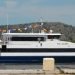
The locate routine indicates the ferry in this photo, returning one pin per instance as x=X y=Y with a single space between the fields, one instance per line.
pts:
x=33 y=47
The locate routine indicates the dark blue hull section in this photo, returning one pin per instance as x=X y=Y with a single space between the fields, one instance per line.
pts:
x=36 y=59
x=4 y=49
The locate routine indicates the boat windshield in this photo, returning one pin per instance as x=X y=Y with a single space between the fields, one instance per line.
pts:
x=53 y=36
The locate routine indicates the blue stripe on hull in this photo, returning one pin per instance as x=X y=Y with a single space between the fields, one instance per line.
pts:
x=37 y=59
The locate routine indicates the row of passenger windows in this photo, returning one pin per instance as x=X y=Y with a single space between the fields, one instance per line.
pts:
x=32 y=38
x=27 y=38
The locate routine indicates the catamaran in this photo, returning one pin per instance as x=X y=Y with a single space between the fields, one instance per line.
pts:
x=33 y=47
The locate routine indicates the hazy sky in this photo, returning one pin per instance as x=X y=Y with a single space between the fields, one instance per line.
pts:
x=25 y=11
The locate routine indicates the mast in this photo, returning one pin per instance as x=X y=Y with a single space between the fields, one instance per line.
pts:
x=7 y=23
x=41 y=20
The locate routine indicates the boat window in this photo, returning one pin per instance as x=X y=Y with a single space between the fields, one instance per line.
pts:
x=53 y=36
x=27 y=38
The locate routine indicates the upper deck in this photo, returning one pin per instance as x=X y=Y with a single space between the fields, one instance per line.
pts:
x=29 y=36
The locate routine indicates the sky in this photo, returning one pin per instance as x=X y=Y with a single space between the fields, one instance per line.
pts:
x=27 y=11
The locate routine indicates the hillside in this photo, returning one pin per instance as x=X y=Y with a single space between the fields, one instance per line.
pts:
x=68 y=31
